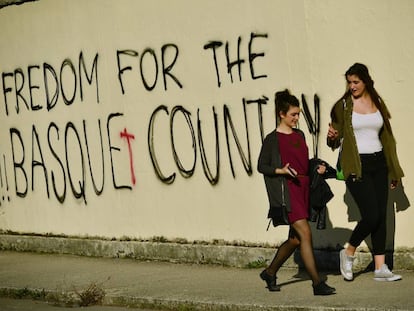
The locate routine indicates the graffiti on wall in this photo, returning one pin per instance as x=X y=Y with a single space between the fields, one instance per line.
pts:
x=60 y=156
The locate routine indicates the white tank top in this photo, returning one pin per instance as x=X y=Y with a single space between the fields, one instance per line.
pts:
x=366 y=130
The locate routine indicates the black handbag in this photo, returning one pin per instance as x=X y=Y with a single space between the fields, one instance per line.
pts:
x=278 y=214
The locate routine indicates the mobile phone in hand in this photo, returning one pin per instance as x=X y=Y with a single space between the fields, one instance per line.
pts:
x=292 y=172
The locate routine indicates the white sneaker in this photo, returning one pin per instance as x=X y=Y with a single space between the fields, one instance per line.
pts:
x=345 y=263
x=385 y=275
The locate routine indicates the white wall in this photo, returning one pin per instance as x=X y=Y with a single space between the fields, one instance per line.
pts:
x=305 y=46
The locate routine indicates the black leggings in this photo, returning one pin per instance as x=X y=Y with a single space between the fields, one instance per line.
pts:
x=371 y=195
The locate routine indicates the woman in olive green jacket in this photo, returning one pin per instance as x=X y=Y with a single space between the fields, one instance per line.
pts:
x=360 y=126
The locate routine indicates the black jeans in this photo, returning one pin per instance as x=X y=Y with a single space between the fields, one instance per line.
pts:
x=371 y=195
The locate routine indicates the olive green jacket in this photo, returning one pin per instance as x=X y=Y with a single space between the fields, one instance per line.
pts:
x=350 y=161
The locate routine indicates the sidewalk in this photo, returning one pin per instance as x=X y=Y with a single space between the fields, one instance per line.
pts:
x=161 y=285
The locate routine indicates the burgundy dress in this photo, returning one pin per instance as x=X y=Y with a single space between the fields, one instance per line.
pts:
x=293 y=150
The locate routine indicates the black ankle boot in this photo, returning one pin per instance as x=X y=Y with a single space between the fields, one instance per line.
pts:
x=270 y=281
x=322 y=289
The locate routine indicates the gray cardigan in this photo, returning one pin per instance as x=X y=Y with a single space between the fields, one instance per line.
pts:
x=269 y=160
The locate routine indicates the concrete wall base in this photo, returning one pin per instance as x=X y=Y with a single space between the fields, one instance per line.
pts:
x=234 y=256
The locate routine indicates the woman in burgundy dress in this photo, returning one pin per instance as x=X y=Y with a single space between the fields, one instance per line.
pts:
x=284 y=162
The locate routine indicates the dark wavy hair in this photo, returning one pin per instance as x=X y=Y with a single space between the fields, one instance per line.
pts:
x=283 y=101
x=361 y=71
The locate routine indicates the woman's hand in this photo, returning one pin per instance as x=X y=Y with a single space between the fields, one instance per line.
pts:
x=332 y=133
x=394 y=184
x=321 y=169
x=287 y=170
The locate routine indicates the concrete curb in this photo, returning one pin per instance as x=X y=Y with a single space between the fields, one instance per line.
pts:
x=227 y=255
x=162 y=304
x=69 y=299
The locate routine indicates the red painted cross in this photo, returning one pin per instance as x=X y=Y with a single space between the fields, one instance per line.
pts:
x=128 y=137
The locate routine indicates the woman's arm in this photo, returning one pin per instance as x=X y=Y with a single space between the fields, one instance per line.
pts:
x=335 y=129
x=264 y=164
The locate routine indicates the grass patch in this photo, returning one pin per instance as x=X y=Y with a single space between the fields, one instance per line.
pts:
x=93 y=294
x=259 y=263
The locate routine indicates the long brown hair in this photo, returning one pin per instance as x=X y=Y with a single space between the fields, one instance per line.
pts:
x=361 y=71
